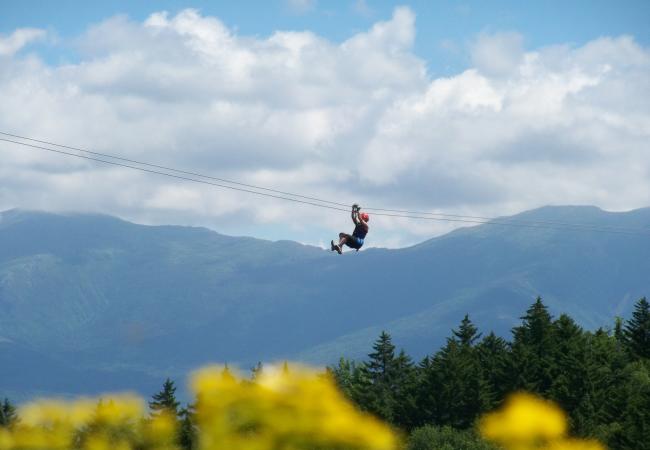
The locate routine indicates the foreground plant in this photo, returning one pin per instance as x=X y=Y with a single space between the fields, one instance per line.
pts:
x=282 y=409
x=526 y=422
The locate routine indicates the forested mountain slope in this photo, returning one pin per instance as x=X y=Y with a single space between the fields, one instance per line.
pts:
x=95 y=293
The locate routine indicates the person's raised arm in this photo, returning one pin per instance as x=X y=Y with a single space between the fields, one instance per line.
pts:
x=354 y=214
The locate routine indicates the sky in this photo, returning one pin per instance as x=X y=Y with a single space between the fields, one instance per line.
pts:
x=473 y=108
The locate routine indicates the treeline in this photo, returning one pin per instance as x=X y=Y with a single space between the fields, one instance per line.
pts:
x=601 y=379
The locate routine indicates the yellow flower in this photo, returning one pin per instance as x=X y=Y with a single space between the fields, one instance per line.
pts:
x=524 y=418
x=161 y=431
x=6 y=439
x=293 y=409
x=119 y=408
x=526 y=422
x=283 y=409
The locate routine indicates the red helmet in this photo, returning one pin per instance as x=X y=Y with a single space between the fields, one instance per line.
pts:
x=365 y=217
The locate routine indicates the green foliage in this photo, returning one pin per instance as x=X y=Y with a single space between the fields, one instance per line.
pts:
x=165 y=400
x=531 y=359
x=633 y=422
x=8 y=414
x=379 y=377
x=637 y=330
x=431 y=437
x=568 y=364
x=602 y=381
x=116 y=275
x=455 y=381
x=494 y=360
x=188 y=433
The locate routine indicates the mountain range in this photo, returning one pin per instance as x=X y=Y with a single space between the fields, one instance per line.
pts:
x=92 y=303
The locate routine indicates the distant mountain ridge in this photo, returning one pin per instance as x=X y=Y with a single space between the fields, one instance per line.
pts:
x=130 y=304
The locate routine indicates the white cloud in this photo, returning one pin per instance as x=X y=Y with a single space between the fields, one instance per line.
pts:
x=18 y=39
x=354 y=121
x=499 y=53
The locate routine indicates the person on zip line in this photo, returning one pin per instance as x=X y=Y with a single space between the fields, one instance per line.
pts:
x=355 y=240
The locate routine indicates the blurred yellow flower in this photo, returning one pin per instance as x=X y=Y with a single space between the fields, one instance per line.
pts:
x=297 y=409
x=528 y=422
x=119 y=408
x=524 y=418
x=282 y=409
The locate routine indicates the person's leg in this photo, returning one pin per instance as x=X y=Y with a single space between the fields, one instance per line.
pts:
x=343 y=239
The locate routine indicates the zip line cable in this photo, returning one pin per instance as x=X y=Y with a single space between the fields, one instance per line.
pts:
x=322 y=203
x=378 y=211
x=172 y=175
x=513 y=221
x=222 y=185
x=171 y=169
x=105 y=155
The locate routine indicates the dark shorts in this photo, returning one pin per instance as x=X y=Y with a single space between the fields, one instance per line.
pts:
x=354 y=242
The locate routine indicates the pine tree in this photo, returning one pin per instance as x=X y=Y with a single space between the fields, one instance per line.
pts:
x=8 y=415
x=165 y=400
x=532 y=350
x=494 y=361
x=187 y=433
x=467 y=334
x=569 y=366
x=405 y=384
x=600 y=409
x=425 y=394
x=382 y=360
x=378 y=373
x=345 y=374
x=637 y=331
x=455 y=379
x=618 y=329
x=634 y=419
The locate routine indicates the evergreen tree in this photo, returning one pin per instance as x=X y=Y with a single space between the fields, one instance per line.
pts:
x=455 y=379
x=602 y=381
x=378 y=373
x=634 y=420
x=494 y=361
x=431 y=437
x=568 y=365
x=425 y=395
x=8 y=415
x=165 y=400
x=466 y=334
x=532 y=350
x=599 y=411
x=405 y=385
x=349 y=378
x=618 y=329
x=637 y=330
x=187 y=434
x=382 y=360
